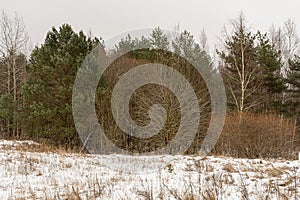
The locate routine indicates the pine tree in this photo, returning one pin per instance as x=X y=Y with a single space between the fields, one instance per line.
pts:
x=159 y=40
x=270 y=63
x=293 y=79
x=48 y=91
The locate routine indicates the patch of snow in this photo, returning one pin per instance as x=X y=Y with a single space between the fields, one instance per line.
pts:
x=31 y=175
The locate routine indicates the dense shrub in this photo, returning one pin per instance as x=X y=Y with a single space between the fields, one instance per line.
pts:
x=258 y=135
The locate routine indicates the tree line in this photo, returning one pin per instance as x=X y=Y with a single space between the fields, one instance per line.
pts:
x=261 y=73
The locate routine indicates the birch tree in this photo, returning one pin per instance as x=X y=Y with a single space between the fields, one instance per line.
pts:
x=237 y=67
x=14 y=43
x=250 y=67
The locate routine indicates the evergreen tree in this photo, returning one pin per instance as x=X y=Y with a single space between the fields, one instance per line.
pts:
x=186 y=46
x=48 y=91
x=270 y=63
x=159 y=40
x=293 y=79
x=126 y=44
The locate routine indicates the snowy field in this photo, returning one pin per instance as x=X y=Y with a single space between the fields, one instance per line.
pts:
x=45 y=175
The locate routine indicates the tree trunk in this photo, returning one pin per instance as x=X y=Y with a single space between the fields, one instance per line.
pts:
x=14 y=93
x=8 y=91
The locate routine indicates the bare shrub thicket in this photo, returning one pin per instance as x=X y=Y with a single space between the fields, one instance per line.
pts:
x=258 y=135
x=148 y=95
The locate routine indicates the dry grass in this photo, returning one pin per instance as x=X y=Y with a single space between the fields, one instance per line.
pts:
x=41 y=147
x=229 y=168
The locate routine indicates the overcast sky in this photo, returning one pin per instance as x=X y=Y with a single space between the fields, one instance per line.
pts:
x=107 y=18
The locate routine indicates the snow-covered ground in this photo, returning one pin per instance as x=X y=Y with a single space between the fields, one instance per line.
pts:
x=42 y=175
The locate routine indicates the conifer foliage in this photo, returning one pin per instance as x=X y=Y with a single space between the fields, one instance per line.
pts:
x=48 y=90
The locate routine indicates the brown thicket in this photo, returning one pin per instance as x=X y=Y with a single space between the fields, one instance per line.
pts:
x=258 y=135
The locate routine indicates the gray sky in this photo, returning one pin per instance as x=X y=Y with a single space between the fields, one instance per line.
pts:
x=107 y=18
